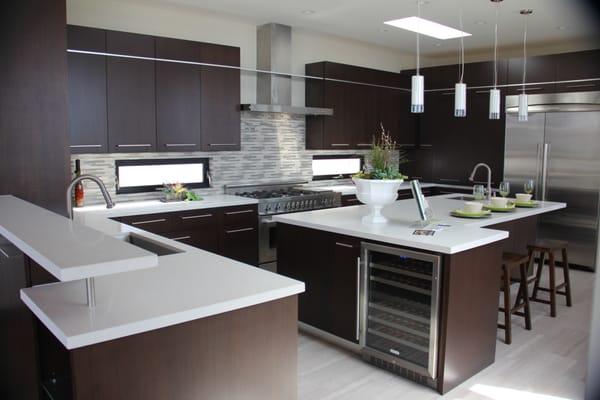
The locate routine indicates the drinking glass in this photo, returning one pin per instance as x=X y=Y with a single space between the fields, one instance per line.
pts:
x=478 y=192
x=504 y=189
x=529 y=186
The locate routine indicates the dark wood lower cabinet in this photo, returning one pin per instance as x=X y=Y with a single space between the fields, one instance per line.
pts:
x=468 y=298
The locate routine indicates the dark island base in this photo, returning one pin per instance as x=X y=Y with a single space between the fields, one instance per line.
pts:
x=249 y=353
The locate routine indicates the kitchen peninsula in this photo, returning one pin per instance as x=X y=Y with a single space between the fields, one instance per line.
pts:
x=170 y=320
x=424 y=307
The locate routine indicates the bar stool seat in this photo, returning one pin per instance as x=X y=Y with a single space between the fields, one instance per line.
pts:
x=511 y=261
x=547 y=247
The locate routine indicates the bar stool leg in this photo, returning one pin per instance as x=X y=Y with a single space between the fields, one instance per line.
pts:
x=551 y=271
x=507 y=307
x=565 y=262
x=538 y=275
x=525 y=296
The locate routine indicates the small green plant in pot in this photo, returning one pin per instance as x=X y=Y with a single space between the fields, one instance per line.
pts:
x=377 y=185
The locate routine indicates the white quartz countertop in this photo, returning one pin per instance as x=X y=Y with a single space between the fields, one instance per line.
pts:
x=461 y=235
x=182 y=287
x=348 y=188
x=67 y=249
x=128 y=208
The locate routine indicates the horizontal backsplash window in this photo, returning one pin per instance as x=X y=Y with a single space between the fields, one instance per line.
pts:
x=335 y=166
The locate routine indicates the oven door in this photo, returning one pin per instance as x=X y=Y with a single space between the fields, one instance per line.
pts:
x=267 y=242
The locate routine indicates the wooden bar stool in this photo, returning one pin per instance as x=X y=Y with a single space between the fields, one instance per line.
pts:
x=549 y=247
x=511 y=261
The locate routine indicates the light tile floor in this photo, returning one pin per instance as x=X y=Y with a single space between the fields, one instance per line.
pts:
x=547 y=363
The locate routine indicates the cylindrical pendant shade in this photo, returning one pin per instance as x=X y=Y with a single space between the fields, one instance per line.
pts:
x=417 y=104
x=523 y=114
x=494 y=104
x=460 y=100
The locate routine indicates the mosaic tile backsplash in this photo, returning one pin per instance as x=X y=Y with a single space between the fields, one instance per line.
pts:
x=272 y=149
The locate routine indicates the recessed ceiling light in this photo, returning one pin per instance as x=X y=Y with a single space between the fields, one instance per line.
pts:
x=308 y=12
x=480 y=22
x=426 y=27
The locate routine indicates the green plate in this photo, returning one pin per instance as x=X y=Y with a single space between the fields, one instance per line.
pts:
x=465 y=214
x=527 y=204
x=510 y=207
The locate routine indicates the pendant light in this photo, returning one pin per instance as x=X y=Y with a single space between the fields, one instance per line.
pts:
x=417 y=102
x=495 y=93
x=460 y=89
x=523 y=114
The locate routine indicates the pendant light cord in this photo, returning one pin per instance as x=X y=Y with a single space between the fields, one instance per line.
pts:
x=496 y=48
x=524 y=51
x=418 y=47
x=462 y=47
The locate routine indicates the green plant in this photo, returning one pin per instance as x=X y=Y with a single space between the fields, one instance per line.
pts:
x=379 y=160
x=176 y=191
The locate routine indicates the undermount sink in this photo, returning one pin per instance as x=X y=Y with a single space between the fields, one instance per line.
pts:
x=462 y=197
x=153 y=246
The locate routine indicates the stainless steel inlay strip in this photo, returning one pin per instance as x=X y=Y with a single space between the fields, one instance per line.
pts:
x=152 y=221
x=197 y=216
x=344 y=245
x=239 y=212
x=240 y=230
x=84 y=145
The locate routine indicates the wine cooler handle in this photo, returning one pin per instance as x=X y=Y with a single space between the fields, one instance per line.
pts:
x=357 y=298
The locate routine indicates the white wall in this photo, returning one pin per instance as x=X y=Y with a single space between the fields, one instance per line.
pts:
x=193 y=24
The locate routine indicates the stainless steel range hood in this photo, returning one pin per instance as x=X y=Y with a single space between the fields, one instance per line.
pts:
x=273 y=90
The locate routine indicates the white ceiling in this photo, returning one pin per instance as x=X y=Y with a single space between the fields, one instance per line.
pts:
x=552 y=20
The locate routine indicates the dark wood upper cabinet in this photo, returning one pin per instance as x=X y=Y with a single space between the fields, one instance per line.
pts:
x=131 y=93
x=220 y=109
x=574 y=66
x=540 y=69
x=87 y=91
x=178 y=96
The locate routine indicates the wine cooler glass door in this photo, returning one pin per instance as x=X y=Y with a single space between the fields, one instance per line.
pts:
x=399 y=313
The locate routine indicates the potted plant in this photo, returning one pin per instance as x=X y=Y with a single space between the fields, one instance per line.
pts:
x=377 y=185
x=178 y=192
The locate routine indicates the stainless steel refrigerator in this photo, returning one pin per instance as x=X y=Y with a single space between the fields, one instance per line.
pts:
x=559 y=148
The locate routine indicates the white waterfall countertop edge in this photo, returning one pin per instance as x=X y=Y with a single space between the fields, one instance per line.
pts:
x=182 y=287
x=462 y=234
x=68 y=250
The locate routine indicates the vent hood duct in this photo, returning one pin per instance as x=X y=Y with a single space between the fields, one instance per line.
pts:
x=274 y=91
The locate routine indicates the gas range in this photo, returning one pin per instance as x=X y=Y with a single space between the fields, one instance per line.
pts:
x=285 y=197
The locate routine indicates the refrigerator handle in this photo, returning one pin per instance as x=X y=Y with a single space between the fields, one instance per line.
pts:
x=538 y=172
x=545 y=170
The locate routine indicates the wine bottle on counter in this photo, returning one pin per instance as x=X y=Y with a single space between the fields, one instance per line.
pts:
x=79 y=195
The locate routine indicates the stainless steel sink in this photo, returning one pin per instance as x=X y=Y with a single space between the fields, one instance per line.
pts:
x=462 y=197
x=153 y=246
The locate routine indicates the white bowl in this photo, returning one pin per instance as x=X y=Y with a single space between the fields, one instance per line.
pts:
x=499 y=202
x=523 y=197
x=472 y=207
x=376 y=194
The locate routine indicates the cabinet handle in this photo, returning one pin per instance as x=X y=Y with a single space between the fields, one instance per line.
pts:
x=357 y=298
x=240 y=230
x=181 y=238
x=344 y=245
x=135 y=145
x=151 y=221
x=84 y=146
x=339 y=144
x=4 y=253
x=449 y=180
x=529 y=89
x=447 y=93
x=363 y=144
x=426 y=145
x=482 y=91
x=582 y=85
x=239 y=212
x=417 y=177
x=180 y=144
x=196 y=216
x=222 y=144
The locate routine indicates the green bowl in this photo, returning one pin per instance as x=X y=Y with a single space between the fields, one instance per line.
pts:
x=465 y=214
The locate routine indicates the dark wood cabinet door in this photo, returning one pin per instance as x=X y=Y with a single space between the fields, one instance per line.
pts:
x=131 y=94
x=131 y=105
x=539 y=69
x=87 y=103
x=344 y=277
x=220 y=91
x=334 y=136
x=419 y=164
x=87 y=90
x=155 y=223
x=393 y=107
x=178 y=104
x=199 y=228
x=579 y=65
x=240 y=244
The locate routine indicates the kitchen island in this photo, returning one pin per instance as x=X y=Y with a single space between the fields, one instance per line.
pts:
x=424 y=307
x=181 y=323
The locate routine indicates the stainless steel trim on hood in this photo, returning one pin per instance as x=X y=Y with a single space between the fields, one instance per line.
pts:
x=278 y=108
x=556 y=102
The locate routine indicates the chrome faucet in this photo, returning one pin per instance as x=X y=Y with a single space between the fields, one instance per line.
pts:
x=107 y=199
x=489 y=178
x=90 y=286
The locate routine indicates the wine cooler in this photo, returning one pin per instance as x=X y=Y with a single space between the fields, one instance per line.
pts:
x=399 y=310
